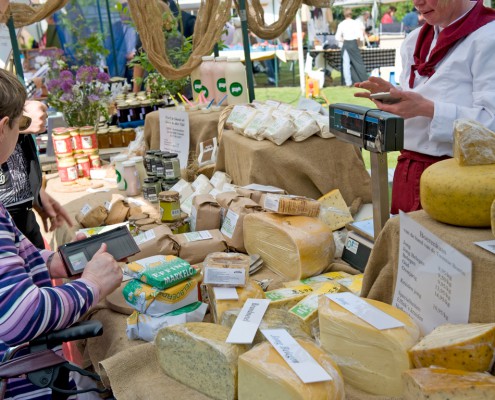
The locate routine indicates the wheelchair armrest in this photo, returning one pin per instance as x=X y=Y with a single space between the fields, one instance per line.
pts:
x=80 y=330
x=30 y=363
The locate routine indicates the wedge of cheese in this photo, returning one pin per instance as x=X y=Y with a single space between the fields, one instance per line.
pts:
x=195 y=354
x=467 y=347
x=294 y=247
x=318 y=279
x=251 y=291
x=334 y=211
x=274 y=318
x=371 y=360
x=286 y=298
x=263 y=374
x=353 y=283
x=474 y=144
x=447 y=384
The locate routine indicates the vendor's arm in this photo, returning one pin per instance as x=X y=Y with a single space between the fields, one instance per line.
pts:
x=52 y=211
x=36 y=110
x=29 y=306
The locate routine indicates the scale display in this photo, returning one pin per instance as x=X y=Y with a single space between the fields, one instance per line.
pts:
x=371 y=129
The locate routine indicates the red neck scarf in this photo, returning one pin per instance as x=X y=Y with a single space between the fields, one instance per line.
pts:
x=448 y=37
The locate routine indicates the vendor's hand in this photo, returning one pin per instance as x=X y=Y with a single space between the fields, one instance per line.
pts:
x=52 y=211
x=103 y=271
x=411 y=105
x=55 y=264
x=36 y=110
x=373 y=85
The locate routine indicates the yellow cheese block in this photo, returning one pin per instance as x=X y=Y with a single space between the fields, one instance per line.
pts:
x=458 y=195
x=468 y=347
x=334 y=211
x=251 y=291
x=264 y=374
x=492 y=217
x=447 y=384
x=353 y=283
x=474 y=144
x=371 y=360
x=195 y=354
x=294 y=247
x=318 y=279
x=286 y=298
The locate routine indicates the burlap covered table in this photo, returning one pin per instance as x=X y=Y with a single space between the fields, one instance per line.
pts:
x=310 y=168
x=201 y=127
x=381 y=271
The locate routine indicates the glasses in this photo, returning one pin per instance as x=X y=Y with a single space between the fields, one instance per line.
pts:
x=24 y=122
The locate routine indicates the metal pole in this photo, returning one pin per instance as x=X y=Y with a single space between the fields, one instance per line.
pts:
x=114 y=53
x=300 y=52
x=379 y=191
x=15 y=50
x=99 y=17
x=246 y=45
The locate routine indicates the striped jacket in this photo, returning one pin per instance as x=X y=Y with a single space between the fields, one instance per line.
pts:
x=29 y=305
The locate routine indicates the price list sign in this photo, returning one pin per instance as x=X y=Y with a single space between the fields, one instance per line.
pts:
x=433 y=279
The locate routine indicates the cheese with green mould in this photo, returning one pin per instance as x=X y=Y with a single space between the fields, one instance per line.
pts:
x=287 y=297
x=318 y=279
x=447 y=384
x=160 y=271
x=467 y=347
x=195 y=354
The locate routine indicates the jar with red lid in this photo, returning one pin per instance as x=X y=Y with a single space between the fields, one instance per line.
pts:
x=75 y=139
x=83 y=166
x=67 y=169
x=88 y=138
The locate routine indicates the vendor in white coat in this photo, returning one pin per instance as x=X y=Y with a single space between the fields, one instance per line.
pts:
x=447 y=74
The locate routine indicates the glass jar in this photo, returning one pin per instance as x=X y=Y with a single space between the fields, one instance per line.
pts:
x=140 y=168
x=62 y=143
x=128 y=135
x=123 y=112
x=88 y=138
x=159 y=170
x=103 y=139
x=171 y=166
x=134 y=111
x=151 y=189
x=116 y=137
x=95 y=161
x=119 y=170
x=67 y=169
x=169 y=206
x=146 y=108
x=148 y=162
x=75 y=139
x=131 y=178
x=83 y=166
x=168 y=185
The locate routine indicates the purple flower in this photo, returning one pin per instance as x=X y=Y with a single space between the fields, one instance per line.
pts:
x=66 y=86
x=53 y=84
x=67 y=97
x=66 y=75
x=103 y=77
x=93 y=98
x=84 y=74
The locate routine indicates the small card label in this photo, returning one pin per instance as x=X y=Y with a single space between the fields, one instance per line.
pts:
x=144 y=237
x=229 y=223
x=271 y=202
x=107 y=205
x=224 y=276
x=365 y=311
x=85 y=209
x=192 y=219
x=351 y=245
x=301 y=362
x=247 y=323
x=195 y=236
x=225 y=293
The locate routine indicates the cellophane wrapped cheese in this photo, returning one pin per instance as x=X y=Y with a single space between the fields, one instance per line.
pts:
x=264 y=374
x=447 y=384
x=370 y=359
x=291 y=205
x=474 y=144
x=334 y=211
x=294 y=247
x=468 y=347
x=226 y=269
x=286 y=298
x=195 y=354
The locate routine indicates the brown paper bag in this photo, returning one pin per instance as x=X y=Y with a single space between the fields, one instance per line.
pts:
x=233 y=219
x=118 y=213
x=205 y=213
x=195 y=246
x=156 y=241
x=254 y=195
x=91 y=217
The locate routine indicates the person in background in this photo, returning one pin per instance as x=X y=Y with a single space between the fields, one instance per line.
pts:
x=446 y=75
x=365 y=19
x=389 y=16
x=349 y=31
x=411 y=20
x=29 y=305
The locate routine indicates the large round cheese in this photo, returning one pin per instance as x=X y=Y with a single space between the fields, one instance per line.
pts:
x=458 y=195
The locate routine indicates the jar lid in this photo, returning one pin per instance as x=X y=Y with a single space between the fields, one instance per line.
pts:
x=73 y=132
x=120 y=157
x=115 y=130
x=134 y=103
x=122 y=105
x=151 y=179
x=221 y=58
x=86 y=131
x=146 y=102
x=169 y=195
x=129 y=163
x=67 y=162
x=103 y=131
x=171 y=181
x=136 y=158
x=234 y=59
x=207 y=58
x=169 y=155
x=128 y=130
x=59 y=130
x=152 y=152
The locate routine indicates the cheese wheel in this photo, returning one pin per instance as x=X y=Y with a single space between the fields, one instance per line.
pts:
x=468 y=347
x=264 y=374
x=294 y=247
x=195 y=354
x=458 y=195
x=492 y=217
x=371 y=360
x=447 y=384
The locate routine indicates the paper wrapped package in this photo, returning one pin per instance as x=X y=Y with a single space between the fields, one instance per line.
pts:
x=226 y=269
x=264 y=374
x=474 y=144
x=205 y=213
x=305 y=124
x=291 y=205
x=195 y=354
x=195 y=246
x=118 y=213
x=91 y=216
x=155 y=241
x=145 y=327
x=278 y=130
x=294 y=247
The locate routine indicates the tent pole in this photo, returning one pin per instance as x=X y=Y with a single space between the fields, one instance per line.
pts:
x=302 y=80
x=246 y=45
x=114 y=53
x=15 y=50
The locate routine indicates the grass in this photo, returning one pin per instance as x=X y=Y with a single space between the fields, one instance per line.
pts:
x=288 y=93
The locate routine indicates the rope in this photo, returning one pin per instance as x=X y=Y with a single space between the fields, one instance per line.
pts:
x=24 y=14
x=211 y=19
